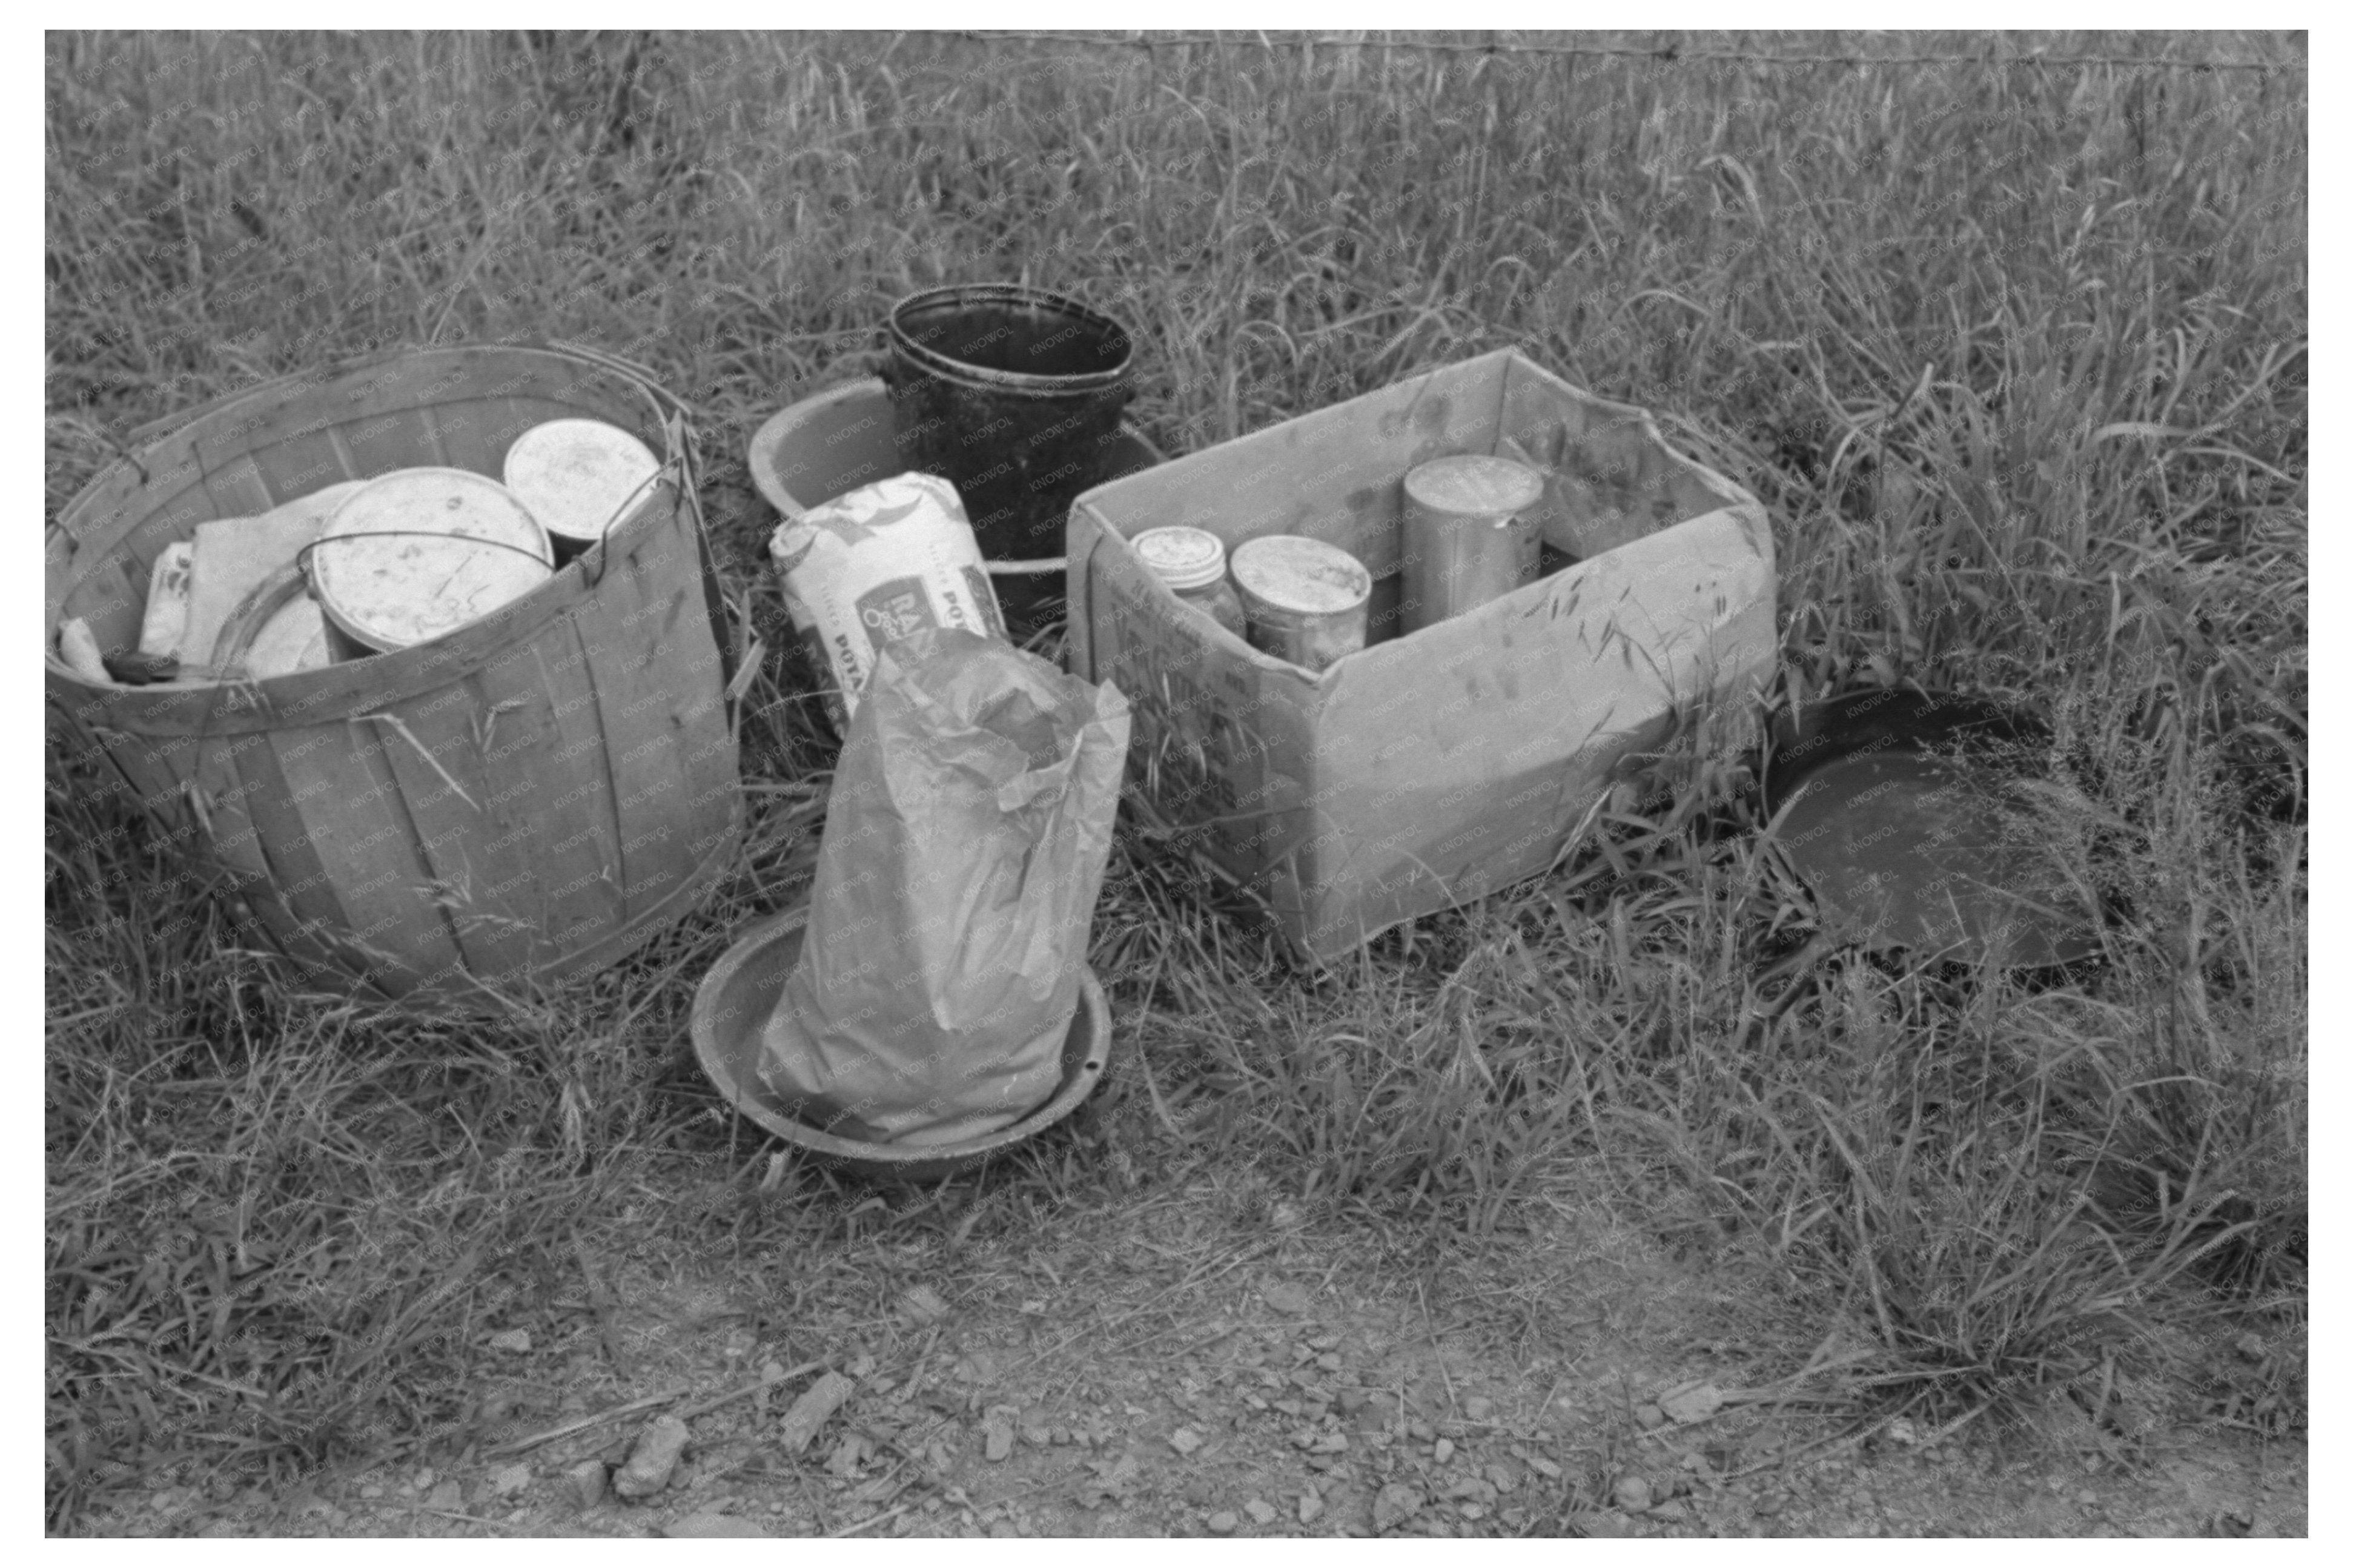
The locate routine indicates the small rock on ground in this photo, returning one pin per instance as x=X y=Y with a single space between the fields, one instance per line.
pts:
x=1632 y=1494
x=586 y=1479
x=1396 y=1503
x=1311 y=1507
x=1185 y=1440
x=653 y=1458
x=1225 y=1522
x=812 y=1410
x=510 y=1480
x=514 y=1341
x=1260 y=1510
x=1695 y=1404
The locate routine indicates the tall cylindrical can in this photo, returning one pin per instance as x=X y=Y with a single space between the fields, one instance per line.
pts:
x=1472 y=534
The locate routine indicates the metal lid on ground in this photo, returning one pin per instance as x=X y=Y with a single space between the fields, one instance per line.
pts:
x=1909 y=818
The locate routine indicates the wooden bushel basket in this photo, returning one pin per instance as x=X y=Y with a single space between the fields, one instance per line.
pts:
x=523 y=800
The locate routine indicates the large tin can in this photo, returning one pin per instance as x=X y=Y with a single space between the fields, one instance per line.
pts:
x=415 y=554
x=1472 y=534
x=578 y=478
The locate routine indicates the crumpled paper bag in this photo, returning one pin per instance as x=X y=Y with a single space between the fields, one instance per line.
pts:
x=966 y=837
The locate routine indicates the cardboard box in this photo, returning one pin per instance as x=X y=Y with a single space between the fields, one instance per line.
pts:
x=1429 y=770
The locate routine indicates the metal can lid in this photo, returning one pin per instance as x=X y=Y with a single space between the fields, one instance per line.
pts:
x=421 y=551
x=1305 y=576
x=1475 y=486
x=1184 y=558
x=578 y=475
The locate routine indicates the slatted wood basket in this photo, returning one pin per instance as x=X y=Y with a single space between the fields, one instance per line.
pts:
x=523 y=800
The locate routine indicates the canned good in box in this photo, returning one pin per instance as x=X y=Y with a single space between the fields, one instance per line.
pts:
x=1305 y=600
x=1192 y=562
x=1472 y=535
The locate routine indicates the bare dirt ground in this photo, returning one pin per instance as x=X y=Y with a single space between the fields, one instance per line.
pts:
x=1200 y=1358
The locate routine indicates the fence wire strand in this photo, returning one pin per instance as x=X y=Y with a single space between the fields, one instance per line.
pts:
x=1671 y=53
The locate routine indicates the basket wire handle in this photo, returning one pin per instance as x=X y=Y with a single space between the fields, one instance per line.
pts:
x=302 y=556
x=676 y=418
x=592 y=557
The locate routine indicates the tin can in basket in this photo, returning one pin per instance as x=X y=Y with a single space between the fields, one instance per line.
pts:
x=578 y=478
x=414 y=554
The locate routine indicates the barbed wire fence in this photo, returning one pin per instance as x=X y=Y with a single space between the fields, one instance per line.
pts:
x=1668 y=53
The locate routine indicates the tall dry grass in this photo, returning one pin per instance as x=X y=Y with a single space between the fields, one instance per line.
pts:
x=2014 y=353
